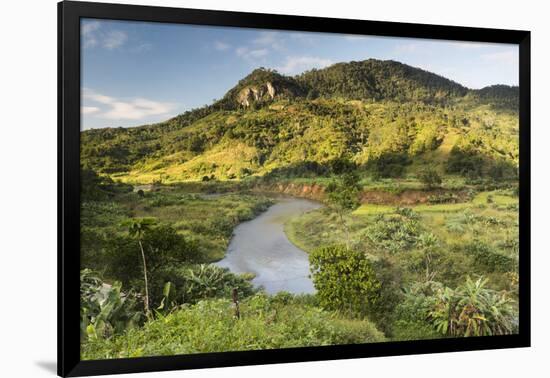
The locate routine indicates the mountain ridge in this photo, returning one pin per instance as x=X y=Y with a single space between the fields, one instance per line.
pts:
x=361 y=112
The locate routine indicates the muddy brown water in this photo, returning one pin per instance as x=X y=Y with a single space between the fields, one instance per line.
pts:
x=260 y=246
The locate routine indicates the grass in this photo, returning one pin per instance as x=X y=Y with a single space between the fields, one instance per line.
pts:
x=488 y=198
x=206 y=219
x=281 y=321
x=372 y=209
x=489 y=218
x=496 y=197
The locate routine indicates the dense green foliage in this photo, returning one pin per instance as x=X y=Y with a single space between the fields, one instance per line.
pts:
x=344 y=279
x=104 y=310
x=197 y=282
x=444 y=242
x=282 y=321
x=377 y=80
x=469 y=310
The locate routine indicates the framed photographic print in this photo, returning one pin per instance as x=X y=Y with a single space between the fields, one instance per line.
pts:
x=239 y=188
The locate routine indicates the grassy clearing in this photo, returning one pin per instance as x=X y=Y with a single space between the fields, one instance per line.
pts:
x=372 y=209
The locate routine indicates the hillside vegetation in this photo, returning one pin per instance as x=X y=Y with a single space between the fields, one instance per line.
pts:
x=382 y=116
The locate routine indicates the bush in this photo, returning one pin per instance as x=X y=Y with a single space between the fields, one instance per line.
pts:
x=344 y=279
x=210 y=326
x=394 y=232
x=163 y=247
x=430 y=178
x=390 y=165
x=465 y=163
x=197 y=282
x=443 y=198
x=488 y=259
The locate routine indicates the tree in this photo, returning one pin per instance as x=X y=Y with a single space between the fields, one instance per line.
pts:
x=343 y=197
x=137 y=228
x=430 y=178
x=344 y=279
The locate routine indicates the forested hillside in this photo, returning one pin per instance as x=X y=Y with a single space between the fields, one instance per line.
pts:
x=384 y=117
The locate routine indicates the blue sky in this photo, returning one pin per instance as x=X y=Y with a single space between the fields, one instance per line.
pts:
x=134 y=73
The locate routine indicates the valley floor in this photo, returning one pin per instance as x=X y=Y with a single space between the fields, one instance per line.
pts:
x=444 y=239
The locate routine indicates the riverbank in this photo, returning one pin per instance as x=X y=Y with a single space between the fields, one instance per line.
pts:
x=477 y=237
x=260 y=246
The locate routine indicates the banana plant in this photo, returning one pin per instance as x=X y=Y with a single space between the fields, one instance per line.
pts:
x=472 y=310
x=168 y=302
x=105 y=309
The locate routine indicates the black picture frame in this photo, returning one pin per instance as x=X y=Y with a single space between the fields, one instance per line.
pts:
x=69 y=14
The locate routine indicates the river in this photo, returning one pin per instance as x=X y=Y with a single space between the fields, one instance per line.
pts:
x=260 y=246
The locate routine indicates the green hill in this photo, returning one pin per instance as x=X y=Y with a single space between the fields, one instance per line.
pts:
x=384 y=117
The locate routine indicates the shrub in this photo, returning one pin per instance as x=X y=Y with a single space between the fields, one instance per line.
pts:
x=390 y=165
x=344 y=279
x=197 y=282
x=394 y=232
x=488 y=259
x=443 y=198
x=411 y=314
x=465 y=163
x=430 y=178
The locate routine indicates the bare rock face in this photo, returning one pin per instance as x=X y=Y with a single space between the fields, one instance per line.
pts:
x=255 y=93
x=244 y=97
x=270 y=90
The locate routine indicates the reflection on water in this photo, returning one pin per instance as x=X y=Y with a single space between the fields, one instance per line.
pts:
x=260 y=246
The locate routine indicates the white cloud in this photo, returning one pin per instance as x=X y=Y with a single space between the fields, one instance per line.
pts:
x=241 y=51
x=221 y=46
x=114 y=39
x=93 y=35
x=505 y=57
x=270 y=39
x=90 y=27
x=251 y=54
x=257 y=49
x=88 y=32
x=123 y=109
x=258 y=53
x=297 y=64
x=307 y=38
x=89 y=109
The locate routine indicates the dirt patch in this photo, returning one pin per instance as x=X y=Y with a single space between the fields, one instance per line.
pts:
x=409 y=197
x=310 y=191
x=377 y=197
